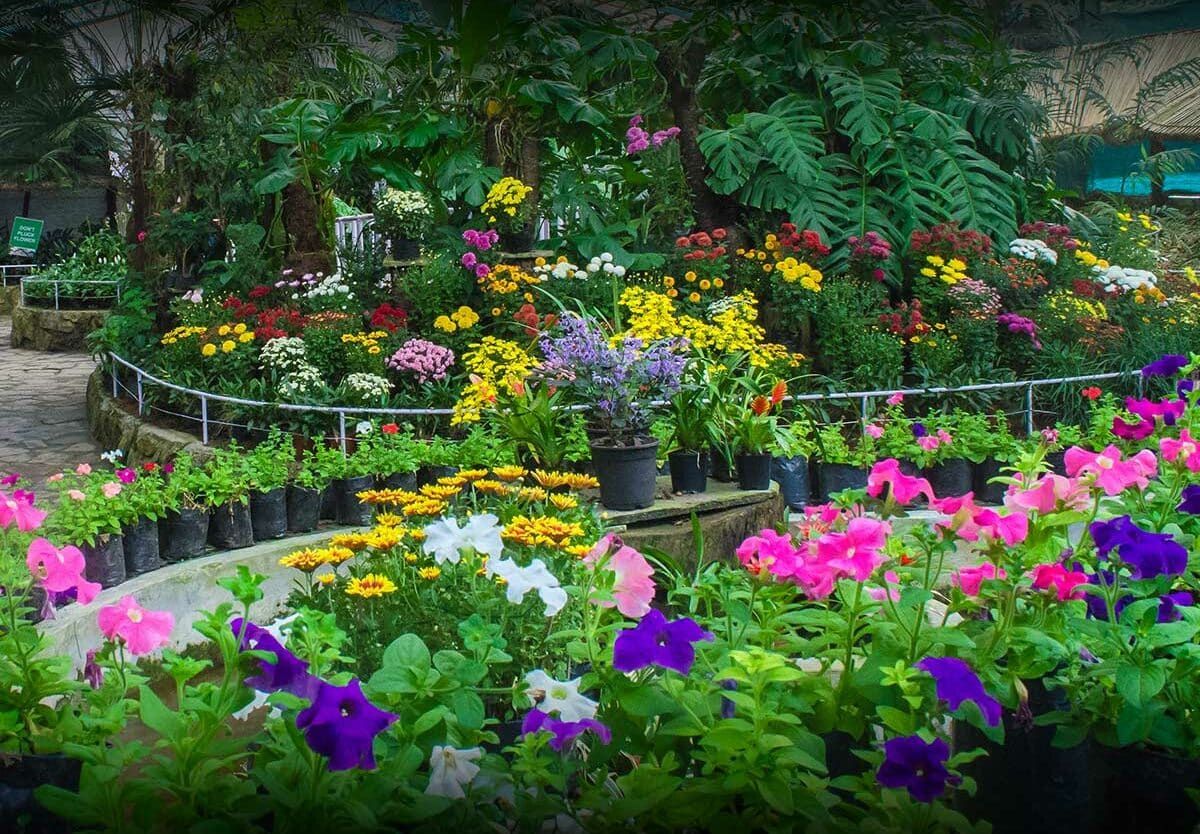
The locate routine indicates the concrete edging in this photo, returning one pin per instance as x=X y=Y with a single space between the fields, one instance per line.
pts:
x=140 y=440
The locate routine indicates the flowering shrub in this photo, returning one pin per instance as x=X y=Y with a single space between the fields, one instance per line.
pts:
x=506 y=205
x=403 y=214
x=426 y=361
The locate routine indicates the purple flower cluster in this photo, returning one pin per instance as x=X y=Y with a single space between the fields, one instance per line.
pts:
x=1147 y=412
x=638 y=140
x=1147 y=554
x=1166 y=365
x=429 y=362
x=916 y=765
x=1019 y=324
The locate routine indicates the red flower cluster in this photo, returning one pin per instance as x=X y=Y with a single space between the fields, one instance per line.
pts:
x=1055 y=235
x=1091 y=392
x=277 y=322
x=1086 y=289
x=949 y=241
x=389 y=317
x=527 y=315
x=259 y=291
x=906 y=320
x=702 y=245
x=806 y=244
x=389 y=428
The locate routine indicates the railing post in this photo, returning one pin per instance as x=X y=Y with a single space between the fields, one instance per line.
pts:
x=56 y=294
x=139 y=392
x=342 y=431
x=1029 y=410
x=203 y=419
x=1141 y=385
x=113 y=373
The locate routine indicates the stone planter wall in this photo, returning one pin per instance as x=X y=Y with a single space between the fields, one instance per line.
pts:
x=114 y=427
x=10 y=297
x=34 y=328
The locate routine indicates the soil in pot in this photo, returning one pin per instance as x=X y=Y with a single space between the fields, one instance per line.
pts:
x=141 y=547
x=399 y=480
x=350 y=510
x=1137 y=789
x=183 y=534
x=689 y=472
x=20 y=776
x=230 y=527
x=835 y=477
x=268 y=514
x=1025 y=784
x=986 y=493
x=950 y=478
x=792 y=476
x=754 y=471
x=303 y=508
x=430 y=474
x=627 y=474
x=104 y=561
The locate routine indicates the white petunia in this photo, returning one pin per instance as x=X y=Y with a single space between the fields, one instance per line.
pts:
x=537 y=577
x=450 y=769
x=445 y=540
x=482 y=534
x=363 y=427
x=112 y=456
x=562 y=697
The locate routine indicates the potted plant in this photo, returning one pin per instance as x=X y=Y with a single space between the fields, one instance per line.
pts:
x=509 y=211
x=990 y=446
x=183 y=531
x=89 y=515
x=616 y=379
x=942 y=455
x=229 y=499
x=841 y=465
x=144 y=499
x=356 y=476
x=437 y=458
x=791 y=469
x=530 y=415
x=267 y=469
x=391 y=450
x=304 y=492
x=691 y=411
x=328 y=464
x=404 y=217
x=756 y=433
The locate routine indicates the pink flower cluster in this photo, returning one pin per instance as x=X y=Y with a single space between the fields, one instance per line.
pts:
x=970 y=522
x=638 y=140
x=60 y=570
x=869 y=251
x=428 y=361
x=18 y=509
x=1108 y=471
x=142 y=631
x=932 y=442
x=483 y=241
x=902 y=488
x=817 y=564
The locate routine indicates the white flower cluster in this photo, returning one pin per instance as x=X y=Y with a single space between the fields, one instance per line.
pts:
x=405 y=213
x=560 y=269
x=330 y=286
x=1124 y=279
x=303 y=382
x=728 y=302
x=604 y=262
x=1033 y=250
x=368 y=386
x=285 y=354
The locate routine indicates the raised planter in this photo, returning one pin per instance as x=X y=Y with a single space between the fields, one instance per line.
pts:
x=113 y=427
x=34 y=328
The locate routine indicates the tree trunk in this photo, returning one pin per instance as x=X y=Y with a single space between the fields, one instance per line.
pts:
x=681 y=74
x=307 y=247
x=530 y=172
x=1158 y=195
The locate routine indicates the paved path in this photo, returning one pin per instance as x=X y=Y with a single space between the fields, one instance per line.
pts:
x=43 y=420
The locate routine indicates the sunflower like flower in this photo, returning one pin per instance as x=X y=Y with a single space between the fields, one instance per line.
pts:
x=542 y=531
x=371 y=585
x=532 y=494
x=354 y=542
x=508 y=473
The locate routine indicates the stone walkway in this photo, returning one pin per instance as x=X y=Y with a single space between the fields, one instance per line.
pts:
x=43 y=421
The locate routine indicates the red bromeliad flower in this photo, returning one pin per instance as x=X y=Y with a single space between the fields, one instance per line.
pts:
x=760 y=405
x=778 y=392
x=1091 y=392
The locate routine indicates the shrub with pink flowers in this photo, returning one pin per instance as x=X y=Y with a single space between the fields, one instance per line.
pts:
x=423 y=360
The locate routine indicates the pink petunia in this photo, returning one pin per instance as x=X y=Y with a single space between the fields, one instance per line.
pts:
x=1058 y=578
x=769 y=551
x=1011 y=528
x=60 y=569
x=75 y=495
x=887 y=590
x=895 y=399
x=111 y=489
x=856 y=551
x=142 y=631
x=1047 y=493
x=18 y=509
x=970 y=579
x=1111 y=473
x=633 y=588
x=873 y=431
x=83 y=469
x=1185 y=450
x=904 y=488
x=929 y=442
x=126 y=475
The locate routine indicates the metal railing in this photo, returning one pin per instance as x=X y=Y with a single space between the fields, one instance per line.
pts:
x=13 y=273
x=57 y=283
x=343 y=412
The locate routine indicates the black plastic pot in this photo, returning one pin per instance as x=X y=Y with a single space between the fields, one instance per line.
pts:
x=230 y=526
x=399 y=480
x=141 y=547
x=518 y=241
x=430 y=474
x=104 y=561
x=183 y=535
x=1026 y=785
x=406 y=249
x=792 y=476
x=1136 y=789
x=835 y=477
x=349 y=509
x=303 y=508
x=329 y=503
x=950 y=478
x=268 y=514
x=627 y=474
x=754 y=470
x=20 y=776
x=689 y=472
x=723 y=469
x=986 y=493
x=839 y=754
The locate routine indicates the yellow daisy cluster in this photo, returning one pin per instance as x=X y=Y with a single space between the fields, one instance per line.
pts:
x=508 y=473
x=371 y=585
x=311 y=558
x=1145 y=220
x=1088 y=258
x=463 y=318
x=506 y=279
x=368 y=341
x=793 y=271
x=570 y=480
x=949 y=271
x=179 y=333
x=542 y=531
x=491 y=363
x=505 y=197
x=487 y=486
x=1067 y=307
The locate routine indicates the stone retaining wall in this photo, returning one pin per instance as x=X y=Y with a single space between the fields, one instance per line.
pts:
x=10 y=297
x=115 y=428
x=34 y=328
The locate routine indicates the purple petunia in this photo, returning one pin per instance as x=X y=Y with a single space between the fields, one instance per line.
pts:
x=562 y=732
x=1147 y=554
x=287 y=673
x=1191 y=500
x=957 y=682
x=656 y=642
x=919 y=430
x=1169 y=605
x=916 y=765
x=1167 y=365
x=341 y=724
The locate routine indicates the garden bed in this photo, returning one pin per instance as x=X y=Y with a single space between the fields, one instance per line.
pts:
x=35 y=328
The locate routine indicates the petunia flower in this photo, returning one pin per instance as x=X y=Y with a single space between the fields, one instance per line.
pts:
x=18 y=509
x=1047 y=494
x=633 y=587
x=536 y=577
x=450 y=769
x=1147 y=554
x=903 y=488
x=126 y=475
x=1110 y=472
x=562 y=732
x=1185 y=450
x=287 y=673
x=856 y=551
x=1058 y=578
x=970 y=579
x=141 y=631
x=1169 y=605
x=1191 y=500
x=10 y=479
x=341 y=724
x=562 y=697
x=445 y=540
x=916 y=765
x=656 y=642
x=59 y=570
x=1167 y=365
x=957 y=682
x=768 y=551
x=111 y=489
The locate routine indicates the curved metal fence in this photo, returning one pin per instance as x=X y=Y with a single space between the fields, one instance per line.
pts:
x=32 y=280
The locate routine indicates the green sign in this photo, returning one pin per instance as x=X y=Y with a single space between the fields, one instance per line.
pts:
x=25 y=236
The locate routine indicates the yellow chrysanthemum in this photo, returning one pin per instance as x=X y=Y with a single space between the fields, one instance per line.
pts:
x=541 y=531
x=371 y=585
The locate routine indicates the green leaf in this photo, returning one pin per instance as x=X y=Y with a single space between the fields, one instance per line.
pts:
x=407 y=651
x=866 y=101
x=156 y=716
x=1139 y=684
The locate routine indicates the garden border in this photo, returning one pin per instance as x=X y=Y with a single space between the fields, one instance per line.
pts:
x=36 y=279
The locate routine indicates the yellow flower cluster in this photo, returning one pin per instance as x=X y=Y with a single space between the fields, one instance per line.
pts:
x=1147 y=294
x=505 y=197
x=371 y=585
x=1146 y=221
x=367 y=341
x=1088 y=258
x=794 y=271
x=651 y=314
x=570 y=480
x=463 y=318
x=506 y=279
x=311 y=558
x=542 y=531
x=949 y=271
x=173 y=336
x=491 y=363
x=1067 y=307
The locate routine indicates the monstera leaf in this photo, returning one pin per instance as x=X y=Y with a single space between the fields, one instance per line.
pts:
x=865 y=101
